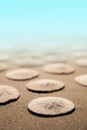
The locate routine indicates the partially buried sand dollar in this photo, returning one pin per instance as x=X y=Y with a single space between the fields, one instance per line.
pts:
x=8 y=93
x=3 y=66
x=82 y=62
x=45 y=85
x=81 y=79
x=21 y=74
x=50 y=106
x=59 y=68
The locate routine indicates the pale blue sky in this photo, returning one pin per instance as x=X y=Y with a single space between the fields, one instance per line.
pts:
x=23 y=18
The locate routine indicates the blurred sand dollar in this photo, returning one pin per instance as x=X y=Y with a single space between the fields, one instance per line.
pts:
x=81 y=79
x=80 y=54
x=22 y=74
x=28 y=62
x=4 y=57
x=82 y=62
x=3 y=66
x=56 y=58
x=59 y=68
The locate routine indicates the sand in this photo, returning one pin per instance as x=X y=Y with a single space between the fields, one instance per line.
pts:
x=15 y=116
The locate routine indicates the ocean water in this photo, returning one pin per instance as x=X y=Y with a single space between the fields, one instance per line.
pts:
x=43 y=25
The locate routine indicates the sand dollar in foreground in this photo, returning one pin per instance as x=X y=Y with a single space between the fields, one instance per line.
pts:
x=21 y=74
x=81 y=79
x=45 y=85
x=82 y=62
x=8 y=93
x=59 y=68
x=3 y=66
x=50 y=106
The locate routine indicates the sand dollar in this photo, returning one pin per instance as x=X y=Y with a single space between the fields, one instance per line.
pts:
x=3 y=66
x=81 y=79
x=51 y=106
x=4 y=57
x=56 y=58
x=59 y=68
x=79 y=54
x=8 y=93
x=22 y=74
x=82 y=62
x=28 y=62
x=45 y=85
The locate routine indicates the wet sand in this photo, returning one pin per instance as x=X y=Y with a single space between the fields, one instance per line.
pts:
x=15 y=115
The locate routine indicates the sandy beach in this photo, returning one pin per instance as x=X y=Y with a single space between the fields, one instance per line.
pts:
x=15 y=115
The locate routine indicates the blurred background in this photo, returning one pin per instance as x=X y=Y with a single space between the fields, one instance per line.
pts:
x=43 y=24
